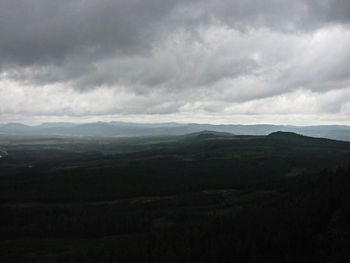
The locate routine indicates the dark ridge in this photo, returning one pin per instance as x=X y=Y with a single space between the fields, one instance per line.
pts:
x=291 y=136
x=286 y=135
x=290 y=139
x=206 y=134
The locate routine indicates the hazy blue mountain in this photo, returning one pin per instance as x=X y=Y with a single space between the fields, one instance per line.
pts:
x=15 y=128
x=56 y=124
x=124 y=129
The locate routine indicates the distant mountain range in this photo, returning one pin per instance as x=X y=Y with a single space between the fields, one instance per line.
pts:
x=123 y=129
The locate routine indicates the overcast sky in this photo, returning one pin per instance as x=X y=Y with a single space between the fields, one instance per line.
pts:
x=213 y=61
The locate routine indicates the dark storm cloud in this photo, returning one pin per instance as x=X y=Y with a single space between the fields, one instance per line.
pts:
x=49 y=31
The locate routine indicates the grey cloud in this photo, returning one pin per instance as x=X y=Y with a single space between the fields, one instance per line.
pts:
x=49 y=31
x=296 y=15
x=339 y=11
x=182 y=52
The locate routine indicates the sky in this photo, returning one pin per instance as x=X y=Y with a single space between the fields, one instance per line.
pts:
x=204 y=61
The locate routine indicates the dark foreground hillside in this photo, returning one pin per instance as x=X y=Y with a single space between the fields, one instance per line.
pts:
x=205 y=197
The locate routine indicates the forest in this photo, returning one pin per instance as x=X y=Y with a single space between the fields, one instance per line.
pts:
x=202 y=197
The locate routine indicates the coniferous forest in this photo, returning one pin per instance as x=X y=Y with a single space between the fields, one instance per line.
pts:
x=203 y=197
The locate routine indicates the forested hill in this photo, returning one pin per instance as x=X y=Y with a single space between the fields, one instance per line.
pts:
x=202 y=197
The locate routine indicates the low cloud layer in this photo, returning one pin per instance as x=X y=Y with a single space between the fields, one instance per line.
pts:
x=199 y=61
